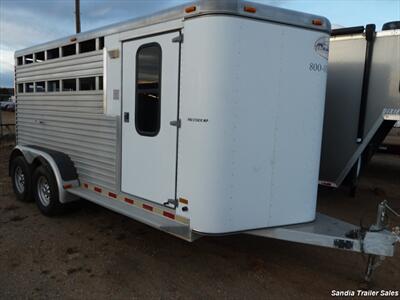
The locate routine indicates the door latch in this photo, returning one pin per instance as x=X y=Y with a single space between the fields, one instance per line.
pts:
x=176 y=123
x=126 y=117
x=171 y=203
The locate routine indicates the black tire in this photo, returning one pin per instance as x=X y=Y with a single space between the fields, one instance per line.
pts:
x=45 y=192
x=21 y=179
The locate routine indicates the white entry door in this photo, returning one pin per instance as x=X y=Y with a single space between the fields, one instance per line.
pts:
x=150 y=103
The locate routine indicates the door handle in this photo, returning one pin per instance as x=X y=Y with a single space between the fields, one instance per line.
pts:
x=176 y=123
x=126 y=117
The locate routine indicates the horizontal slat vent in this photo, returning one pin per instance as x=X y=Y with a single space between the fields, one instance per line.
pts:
x=70 y=122
x=85 y=65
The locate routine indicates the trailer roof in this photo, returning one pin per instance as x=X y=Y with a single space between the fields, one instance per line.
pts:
x=203 y=7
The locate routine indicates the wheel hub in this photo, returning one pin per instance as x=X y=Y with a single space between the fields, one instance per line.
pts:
x=43 y=189
x=19 y=178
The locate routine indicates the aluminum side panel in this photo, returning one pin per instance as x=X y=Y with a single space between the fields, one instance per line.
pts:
x=87 y=64
x=70 y=122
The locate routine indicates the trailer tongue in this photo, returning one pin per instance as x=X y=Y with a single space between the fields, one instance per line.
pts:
x=378 y=241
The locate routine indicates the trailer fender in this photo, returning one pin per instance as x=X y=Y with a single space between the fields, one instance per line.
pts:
x=59 y=163
x=15 y=153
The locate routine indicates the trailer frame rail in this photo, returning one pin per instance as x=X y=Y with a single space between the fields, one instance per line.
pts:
x=330 y=232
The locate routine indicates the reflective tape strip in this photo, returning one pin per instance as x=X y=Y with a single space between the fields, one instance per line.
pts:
x=130 y=201
x=169 y=215
x=148 y=207
x=181 y=219
x=183 y=201
x=142 y=204
x=328 y=183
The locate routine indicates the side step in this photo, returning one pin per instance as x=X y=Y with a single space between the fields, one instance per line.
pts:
x=329 y=232
x=147 y=217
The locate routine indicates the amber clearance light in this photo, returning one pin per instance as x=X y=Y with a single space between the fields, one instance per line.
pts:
x=190 y=9
x=250 y=9
x=317 y=22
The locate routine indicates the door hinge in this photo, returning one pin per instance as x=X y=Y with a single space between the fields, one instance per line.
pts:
x=178 y=39
x=176 y=123
x=171 y=203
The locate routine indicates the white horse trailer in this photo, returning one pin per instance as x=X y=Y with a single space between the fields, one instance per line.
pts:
x=185 y=121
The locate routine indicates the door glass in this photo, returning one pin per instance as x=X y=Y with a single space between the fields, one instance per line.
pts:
x=148 y=89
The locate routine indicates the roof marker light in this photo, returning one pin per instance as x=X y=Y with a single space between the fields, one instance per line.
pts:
x=190 y=9
x=250 y=9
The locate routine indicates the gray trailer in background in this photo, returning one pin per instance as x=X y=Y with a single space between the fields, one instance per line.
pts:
x=362 y=100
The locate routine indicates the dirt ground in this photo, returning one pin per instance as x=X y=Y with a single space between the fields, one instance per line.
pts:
x=93 y=253
x=393 y=137
x=7 y=118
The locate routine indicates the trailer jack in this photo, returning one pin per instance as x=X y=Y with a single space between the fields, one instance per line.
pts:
x=376 y=241
x=374 y=261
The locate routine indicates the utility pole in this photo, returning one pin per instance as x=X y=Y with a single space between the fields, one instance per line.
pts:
x=78 y=16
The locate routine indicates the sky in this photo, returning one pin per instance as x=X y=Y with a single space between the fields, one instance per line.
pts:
x=25 y=23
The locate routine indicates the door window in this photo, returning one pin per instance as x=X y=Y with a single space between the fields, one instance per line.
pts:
x=148 y=89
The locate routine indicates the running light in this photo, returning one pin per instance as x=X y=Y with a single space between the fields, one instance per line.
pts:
x=317 y=22
x=250 y=9
x=190 y=9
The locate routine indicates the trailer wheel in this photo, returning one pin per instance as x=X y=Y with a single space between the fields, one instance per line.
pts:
x=20 y=178
x=45 y=191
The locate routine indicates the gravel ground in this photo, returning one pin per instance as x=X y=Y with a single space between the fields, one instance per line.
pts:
x=7 y=118
x=93 y=253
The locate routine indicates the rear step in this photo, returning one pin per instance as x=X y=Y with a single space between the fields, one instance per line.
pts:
x=175 y=228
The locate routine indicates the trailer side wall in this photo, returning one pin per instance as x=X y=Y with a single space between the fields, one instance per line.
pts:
x=252 y=113
x=72 y=122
